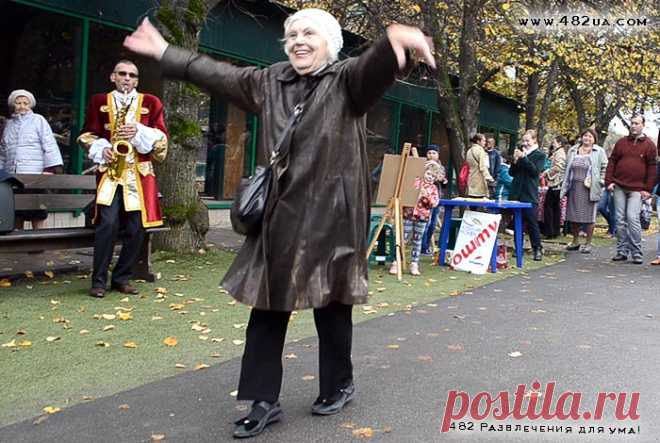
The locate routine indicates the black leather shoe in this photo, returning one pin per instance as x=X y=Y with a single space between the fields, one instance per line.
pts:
x=334 y=404
x=538 y=254
x=97 y=292
x=261 y=415
x=619 y=257
x=124 y=288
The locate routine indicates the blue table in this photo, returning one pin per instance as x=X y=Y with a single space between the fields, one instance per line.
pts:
x=492 y=206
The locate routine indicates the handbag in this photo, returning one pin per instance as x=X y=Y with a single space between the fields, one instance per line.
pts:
x=249 y=205
x=463 y=176
x=587 y=179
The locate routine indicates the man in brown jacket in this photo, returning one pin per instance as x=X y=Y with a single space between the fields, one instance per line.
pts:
x=631 y=176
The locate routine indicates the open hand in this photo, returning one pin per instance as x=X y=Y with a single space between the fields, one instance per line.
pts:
x=146 y=40
x=407 y=37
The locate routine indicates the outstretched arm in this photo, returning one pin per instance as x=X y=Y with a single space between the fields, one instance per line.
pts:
x=375 y=70
x=240 y=86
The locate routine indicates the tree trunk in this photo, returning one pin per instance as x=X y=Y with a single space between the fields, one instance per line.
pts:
x=577 y=101
x=553 y=76
x=460 y=108
x=187 y=216
x=532 y=95
x=604 y=115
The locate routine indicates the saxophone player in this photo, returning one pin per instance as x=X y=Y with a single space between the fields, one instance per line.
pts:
x=126 y=198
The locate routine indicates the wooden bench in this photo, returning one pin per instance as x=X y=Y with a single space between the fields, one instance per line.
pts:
x=65 y=192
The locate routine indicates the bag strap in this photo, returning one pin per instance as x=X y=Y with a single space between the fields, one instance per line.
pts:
x=281 y=150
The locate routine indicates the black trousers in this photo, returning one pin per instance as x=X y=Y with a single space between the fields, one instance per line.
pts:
x=261 y=367
x=530 y=219
x=111 y=218
x=552 y=214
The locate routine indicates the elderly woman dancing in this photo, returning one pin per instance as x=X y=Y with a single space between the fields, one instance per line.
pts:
x=310 y=252
x=28 y=147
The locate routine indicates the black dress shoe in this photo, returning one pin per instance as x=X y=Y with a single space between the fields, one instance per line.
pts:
x=619 y=257
x=97 y=292
x=261 y=415
x=335 y=403
x=124 y=288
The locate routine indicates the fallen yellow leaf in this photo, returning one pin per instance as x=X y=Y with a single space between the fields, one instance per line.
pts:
x=29 y=274
x=130 y=345
x=157 y=437
x=215 y=355
x=201 y=366
x=308 y=377
x=233 y=393
x=171 y=341
x=84 y=331
x=5 y=283
x=180 y=366
x=51 y=409
x=10 y=344
x=25 y=343
x=392 y=346
x=109 y=316
x=176 y=306
x=49 y=274
x=52 y=339
x=363 y=433
x=155 y=317
x=217 y=340
x=109 y=328
x=124 y=316
x=161 y=290
x=102 y=344
x=123 y=407
x=238 y=342
x=290 y=356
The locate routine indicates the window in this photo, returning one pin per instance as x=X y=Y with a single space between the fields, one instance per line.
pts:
x=412 y=127
x=42 y=62
x=225 y=159
x=379 y=129
x=504 y=143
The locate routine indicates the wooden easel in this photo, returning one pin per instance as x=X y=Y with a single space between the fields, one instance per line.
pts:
x=395 y=211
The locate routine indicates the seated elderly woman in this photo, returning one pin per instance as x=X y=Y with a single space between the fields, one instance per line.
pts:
x=28 y=146
x=311 y=249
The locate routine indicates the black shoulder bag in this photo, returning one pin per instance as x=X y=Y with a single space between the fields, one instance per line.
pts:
x=249 y=205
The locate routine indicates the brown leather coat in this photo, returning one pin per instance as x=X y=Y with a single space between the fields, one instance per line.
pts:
x=312 y=248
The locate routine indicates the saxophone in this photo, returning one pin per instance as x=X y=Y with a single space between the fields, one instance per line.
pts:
x=121 y=148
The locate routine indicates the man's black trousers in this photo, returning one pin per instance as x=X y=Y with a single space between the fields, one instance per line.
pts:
x=111 y=219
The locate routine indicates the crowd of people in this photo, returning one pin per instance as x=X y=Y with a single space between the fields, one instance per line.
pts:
x=568 y=185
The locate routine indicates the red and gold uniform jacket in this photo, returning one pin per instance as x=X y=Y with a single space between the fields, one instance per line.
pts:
x=140 y=191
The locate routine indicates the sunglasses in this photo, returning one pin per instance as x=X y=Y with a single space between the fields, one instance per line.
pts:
x=126 y=74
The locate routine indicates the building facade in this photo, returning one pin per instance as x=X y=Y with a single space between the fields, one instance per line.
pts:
x=64 y=51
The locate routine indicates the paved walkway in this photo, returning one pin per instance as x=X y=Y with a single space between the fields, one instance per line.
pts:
x=588 y=324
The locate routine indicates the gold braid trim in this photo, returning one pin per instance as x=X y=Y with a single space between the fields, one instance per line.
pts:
x=86 y=139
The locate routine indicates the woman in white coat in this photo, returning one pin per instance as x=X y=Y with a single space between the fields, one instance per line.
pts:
x=28 y=146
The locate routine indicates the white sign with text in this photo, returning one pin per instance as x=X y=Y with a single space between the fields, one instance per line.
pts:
x=475 y=242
